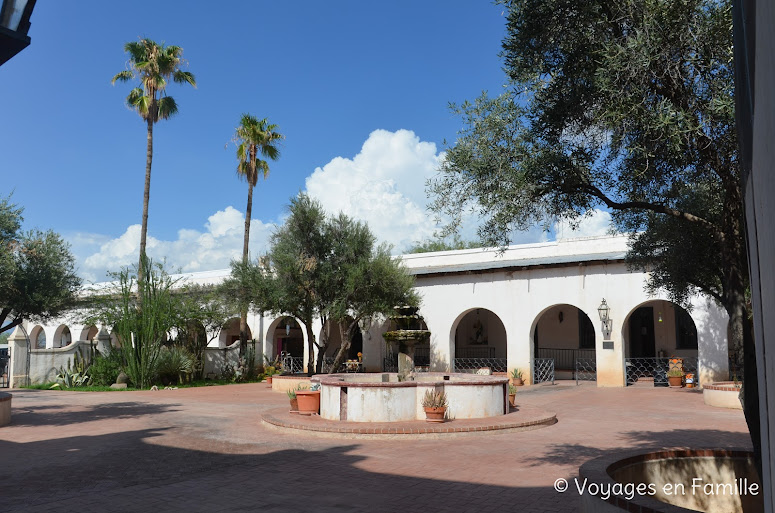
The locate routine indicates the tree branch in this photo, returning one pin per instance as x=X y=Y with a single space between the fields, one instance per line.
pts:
x=659 y=209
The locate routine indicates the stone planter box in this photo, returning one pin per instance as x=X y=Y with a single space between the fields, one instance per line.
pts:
x=285 y=383
x=722 y=394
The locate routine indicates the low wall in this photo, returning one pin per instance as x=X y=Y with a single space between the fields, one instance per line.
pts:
x=216 y=359
x=5 y=409
x=45 y=363
x=285 y=383
x=724 y=394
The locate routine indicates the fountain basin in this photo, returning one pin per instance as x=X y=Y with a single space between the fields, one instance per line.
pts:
x=380 y=397
x=671 y=481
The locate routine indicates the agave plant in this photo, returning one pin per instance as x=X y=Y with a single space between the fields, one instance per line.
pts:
x=434 y=399
x=68 y=378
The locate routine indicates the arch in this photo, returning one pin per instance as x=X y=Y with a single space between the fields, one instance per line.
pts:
x=564 y=333
x=230 y=333
x=478 y=339
x=335 y=341
x=89 y=333
x=287 y=336
x=62 y=336
x=38 y=337
x=659 y=327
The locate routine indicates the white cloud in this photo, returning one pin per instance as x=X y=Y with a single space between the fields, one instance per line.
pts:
x=383 y=185
x=598 y=222
x=192 y=251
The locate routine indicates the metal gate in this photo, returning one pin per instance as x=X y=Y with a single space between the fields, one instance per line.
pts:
x=657 y=367
x=543 y=370
x=586 y=369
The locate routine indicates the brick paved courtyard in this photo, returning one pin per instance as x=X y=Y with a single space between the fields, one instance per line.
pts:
x=206 y=449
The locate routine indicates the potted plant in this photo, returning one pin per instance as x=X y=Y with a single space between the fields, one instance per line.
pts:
x=309 y=400
x=294 y=400
x=435 y=405
x=516 y=378
x=512 y=395
x=269 y=372
x=675 y=377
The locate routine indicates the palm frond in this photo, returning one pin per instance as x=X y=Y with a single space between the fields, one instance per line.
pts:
x=184 y=77
x=167 y=107
x=138 y=101
x=123 y=76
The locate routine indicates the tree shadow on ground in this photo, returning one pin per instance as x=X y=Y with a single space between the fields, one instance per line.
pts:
x=61 y=415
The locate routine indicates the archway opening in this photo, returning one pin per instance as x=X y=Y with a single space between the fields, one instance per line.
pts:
x=230 y=333
x=89 y=333
x=660 y=336
x=62 y=336
x=335 y=343
x=480 y=341
x=288 y=338
x=564 y=338
x=38 y=337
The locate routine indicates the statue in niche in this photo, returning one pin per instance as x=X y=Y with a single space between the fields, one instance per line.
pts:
x=480 y=337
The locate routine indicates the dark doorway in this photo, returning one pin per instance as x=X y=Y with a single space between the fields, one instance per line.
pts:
x=642 y=333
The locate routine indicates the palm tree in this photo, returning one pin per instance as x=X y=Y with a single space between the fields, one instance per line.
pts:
x=253 y=136
x=152 y=64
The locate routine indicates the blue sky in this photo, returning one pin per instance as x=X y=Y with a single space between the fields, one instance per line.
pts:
x=359 y=89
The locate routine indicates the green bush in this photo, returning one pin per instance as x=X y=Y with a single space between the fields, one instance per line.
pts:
x=105 y=369
x=174 y=365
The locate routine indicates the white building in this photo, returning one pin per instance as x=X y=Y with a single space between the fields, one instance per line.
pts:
x=528 y=307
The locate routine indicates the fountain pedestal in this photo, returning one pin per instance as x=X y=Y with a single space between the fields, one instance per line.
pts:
x=409 y=332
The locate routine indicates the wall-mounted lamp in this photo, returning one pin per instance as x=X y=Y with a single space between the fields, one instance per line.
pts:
x=287 y=328
x=605 y=317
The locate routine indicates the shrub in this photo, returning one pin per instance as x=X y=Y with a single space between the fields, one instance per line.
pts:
x=174 y=365
x=105 y=369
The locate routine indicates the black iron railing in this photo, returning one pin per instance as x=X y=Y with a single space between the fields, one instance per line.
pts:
x=657 y=367
x=564 y=359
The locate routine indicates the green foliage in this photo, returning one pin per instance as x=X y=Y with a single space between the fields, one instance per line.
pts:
x=37 y=271
x=199 y=311
x=153 y=64
x=140 y=332
x=326 y=267
x=175 y=365
x=675 y=373
x=444 y=244
x=71 y=376
x=105 y=369
x=512 y=389
x=626 y=106
x=516 y=373
x=434 y=399
x=253 y=137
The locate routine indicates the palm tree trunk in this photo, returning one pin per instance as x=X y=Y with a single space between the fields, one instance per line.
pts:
x=243 y=319
x=146 y=196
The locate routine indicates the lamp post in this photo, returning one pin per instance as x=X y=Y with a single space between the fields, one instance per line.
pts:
x=605 y=317
x=14 y=25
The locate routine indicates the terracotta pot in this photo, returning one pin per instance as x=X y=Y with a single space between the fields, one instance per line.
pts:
x=675 y=381
x=269 y=380
x=309 y=401
x=512 y=398
x=295 y=405
x=517 y=382
x=435 y=414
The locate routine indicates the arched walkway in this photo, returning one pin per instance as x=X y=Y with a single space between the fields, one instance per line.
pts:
x=230 y=333
x=479 y=341
x=38 y=337
x=565 y=335
x=659 y=336
x=89 y=333
x=335 y=342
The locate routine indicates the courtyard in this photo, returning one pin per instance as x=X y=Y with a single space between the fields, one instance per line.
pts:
x=207 y=449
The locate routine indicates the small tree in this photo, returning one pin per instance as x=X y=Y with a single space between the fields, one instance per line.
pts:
x=201 y=316
x=140 y=333
x=37 y=271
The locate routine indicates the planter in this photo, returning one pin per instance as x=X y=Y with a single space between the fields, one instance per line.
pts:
x=295 y=405
x=309 y=401
x=517 y=382
x=435 y=414
x=675 y=381
x=269 y=380
x=512 y=399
